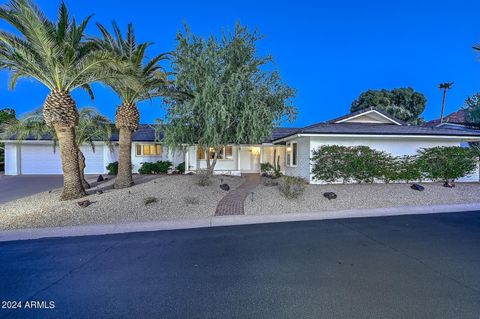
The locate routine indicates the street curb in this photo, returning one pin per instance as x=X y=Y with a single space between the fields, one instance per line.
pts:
x=219 y=221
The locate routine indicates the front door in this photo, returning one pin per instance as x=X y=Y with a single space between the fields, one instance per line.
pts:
x=250 y=159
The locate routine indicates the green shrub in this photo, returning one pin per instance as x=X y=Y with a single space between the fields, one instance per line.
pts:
x=268 y=181
x=266 y=168
x=447 y=163
x=291 y=186
x=331 y=163
x=408 y=169
x=203 y=177
x=112 y=168
x=160 y=167
x=181 y=167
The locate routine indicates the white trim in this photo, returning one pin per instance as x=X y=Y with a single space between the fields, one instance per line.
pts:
x=291 y=154
x=447 y=137
x=368 y=112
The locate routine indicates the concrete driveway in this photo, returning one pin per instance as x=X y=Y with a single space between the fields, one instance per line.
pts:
x=14 y=187
x=416 y=266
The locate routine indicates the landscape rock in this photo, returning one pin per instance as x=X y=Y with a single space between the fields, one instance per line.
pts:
x=417 y=187
x=84 y=203
x=225 y=187
x=449 y=184
x=100 y=178
x=330 y=195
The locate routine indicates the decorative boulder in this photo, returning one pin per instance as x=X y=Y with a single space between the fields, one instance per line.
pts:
x=449 y=184
x=84 y=203
x=417 y=187
x=330 y=195
x=225 y=187
x=100 y=178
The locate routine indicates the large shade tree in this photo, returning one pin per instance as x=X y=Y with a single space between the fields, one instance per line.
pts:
x=92 y=126
x=403 y=103
x=228 y=93
x=56 y=55
x=152 y=81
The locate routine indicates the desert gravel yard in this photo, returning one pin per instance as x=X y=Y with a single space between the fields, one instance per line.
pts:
x=268 y=200
x=177 y=197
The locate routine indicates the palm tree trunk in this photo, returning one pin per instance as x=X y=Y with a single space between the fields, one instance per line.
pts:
x=72 y=184
x=127 y=119
x=81 y=162
x=443 y=104
x=124 y=177
x=60 y=111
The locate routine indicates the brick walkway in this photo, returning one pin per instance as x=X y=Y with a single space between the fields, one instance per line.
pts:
x=232 y=203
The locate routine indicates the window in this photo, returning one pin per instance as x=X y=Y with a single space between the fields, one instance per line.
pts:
x=225 y=154
x=292 y=154
x=200 y=153
x=229 y=152
x=148 y=149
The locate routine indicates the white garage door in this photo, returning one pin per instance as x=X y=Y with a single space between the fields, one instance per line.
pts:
x=41 y=159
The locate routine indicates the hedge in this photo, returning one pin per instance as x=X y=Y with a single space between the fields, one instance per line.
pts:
x=361 y=164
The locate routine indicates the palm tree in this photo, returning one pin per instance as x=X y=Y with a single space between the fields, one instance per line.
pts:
x=92 y=126
x=56 y=55
x=152 y=81
x=445 y=87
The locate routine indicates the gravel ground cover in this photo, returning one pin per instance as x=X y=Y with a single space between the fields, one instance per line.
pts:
x=159 y=197
x=268 y=200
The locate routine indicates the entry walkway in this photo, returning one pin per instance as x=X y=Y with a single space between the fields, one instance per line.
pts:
x=232 y=203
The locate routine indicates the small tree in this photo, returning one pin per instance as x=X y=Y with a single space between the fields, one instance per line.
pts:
x=447 y=163
x=228 y=95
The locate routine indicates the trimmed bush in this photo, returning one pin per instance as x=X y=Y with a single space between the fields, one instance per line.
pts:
x=181 y=167
x=160 y=167
x=291 y=186
x=331 y=163
x=112 y=168
x=203 y=177
x=407 y=169
x=447 y=163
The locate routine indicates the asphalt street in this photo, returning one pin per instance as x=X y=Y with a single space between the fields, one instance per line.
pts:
x=419 y=266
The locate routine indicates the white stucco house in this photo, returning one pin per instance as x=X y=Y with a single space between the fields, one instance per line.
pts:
x=32 y=156
x=292 y=147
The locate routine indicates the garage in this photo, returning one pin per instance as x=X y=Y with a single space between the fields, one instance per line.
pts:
x=43 y=159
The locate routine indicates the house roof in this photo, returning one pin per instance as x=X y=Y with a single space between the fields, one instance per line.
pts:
x=344 y=118
x=145 y=133
x=341 y=125
x=457 y=117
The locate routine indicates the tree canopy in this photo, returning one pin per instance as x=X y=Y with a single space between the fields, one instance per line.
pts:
x=403 y=103
x=472 y=108
x=227 y=93
x=6 y=115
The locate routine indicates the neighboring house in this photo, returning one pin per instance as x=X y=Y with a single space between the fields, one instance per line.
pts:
x=292 y=147
x=455 y=120
x=34 y=156
x=370 y=127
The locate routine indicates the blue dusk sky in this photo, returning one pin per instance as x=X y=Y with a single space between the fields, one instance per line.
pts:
x=330 y=51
